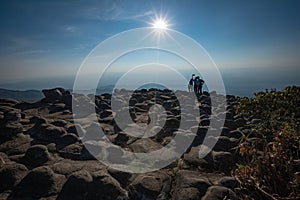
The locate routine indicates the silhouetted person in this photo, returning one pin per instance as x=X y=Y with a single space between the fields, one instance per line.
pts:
x=198 y=85
x=191 y=83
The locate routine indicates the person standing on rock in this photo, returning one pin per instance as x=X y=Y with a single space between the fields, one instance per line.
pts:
x=198 y=85
x=201 y=82
x=191 y=83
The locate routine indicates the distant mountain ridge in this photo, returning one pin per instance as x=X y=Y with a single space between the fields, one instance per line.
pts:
x=26 y=95
x=21 y=95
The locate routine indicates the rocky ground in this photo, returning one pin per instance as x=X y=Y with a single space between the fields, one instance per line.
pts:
x=42 y=156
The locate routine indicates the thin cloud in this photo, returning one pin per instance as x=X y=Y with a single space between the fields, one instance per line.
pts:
x=71 y=29
x=113 y=11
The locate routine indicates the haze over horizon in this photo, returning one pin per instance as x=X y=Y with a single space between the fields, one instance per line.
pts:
x=255 y=44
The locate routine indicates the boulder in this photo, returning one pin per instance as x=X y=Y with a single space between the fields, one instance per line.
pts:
x=228 y=181
x=225 y=143
x=219 y=193
x=35 y=156
x=190 y=185
x=37 y=120
x=56 y=107
x=122 y=177
x=110 y=188
x=39 y=182
x=56 y=94
x=16 y=148
x=77 y=186
x=18 y=145
x=76 y=129
x=46 y=133
x=12 y=116
x=144 y=145
x=9 y=101
x=68 y=139
x=11 y=175
x=153 y=185
x=192 y=158
x=223 y=161
x=9 y=131
x=59 y=123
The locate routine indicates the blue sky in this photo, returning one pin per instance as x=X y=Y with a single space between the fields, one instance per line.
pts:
x=41 y=39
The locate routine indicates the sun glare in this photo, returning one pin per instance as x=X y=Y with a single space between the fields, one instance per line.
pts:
x=160 y=24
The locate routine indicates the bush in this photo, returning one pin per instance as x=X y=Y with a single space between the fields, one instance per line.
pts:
x=269 y=164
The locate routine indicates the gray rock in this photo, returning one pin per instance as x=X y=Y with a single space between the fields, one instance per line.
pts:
x=46 y=133
x=76 y=129
x=223 y=161
x=192 y=158
x=12 y=116
x=11 y=175
x=144 y=145
x=59 y=123
x=77 y=186
x=93 y=132
x=40 y=182
x=17 y=145
x=228 y=181
x=122 y=177
x=9 y=131
x=2 y=161
x=219 y=193
x=225 y=144
x=55 y=94
x=36 y=156
x=9 y=101
x=38 y=120
x=110 y=188
x=189 y=185
x=67 y=139
x=72 y=151
x=153 y=185
x=57 y=107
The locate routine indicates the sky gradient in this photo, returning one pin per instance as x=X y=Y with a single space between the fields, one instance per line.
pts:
x=42 y=39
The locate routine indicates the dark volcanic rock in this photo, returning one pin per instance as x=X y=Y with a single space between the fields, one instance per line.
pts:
x=190 y=185
x=2 y=159
x=18 y=145
x=38 y=120
x=192 y=158
x=68 y=139
x=40 y=182
x=46 y=133
x=11 y=175
x=144 y=145
x=219 y=193
x=223 y=161
x=122 y=177
x=228 y=181
x=36 y=156
x=9 y=131
x=77 y=186
x=225 y=144
x=154 y=185
x=42 y=135
x=12 y=116
x=55 y=94
x=110 y=188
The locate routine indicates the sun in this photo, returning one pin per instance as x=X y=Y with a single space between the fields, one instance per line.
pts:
x=160 y=24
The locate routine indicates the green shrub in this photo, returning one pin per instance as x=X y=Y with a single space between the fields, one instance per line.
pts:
x=269 y=164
